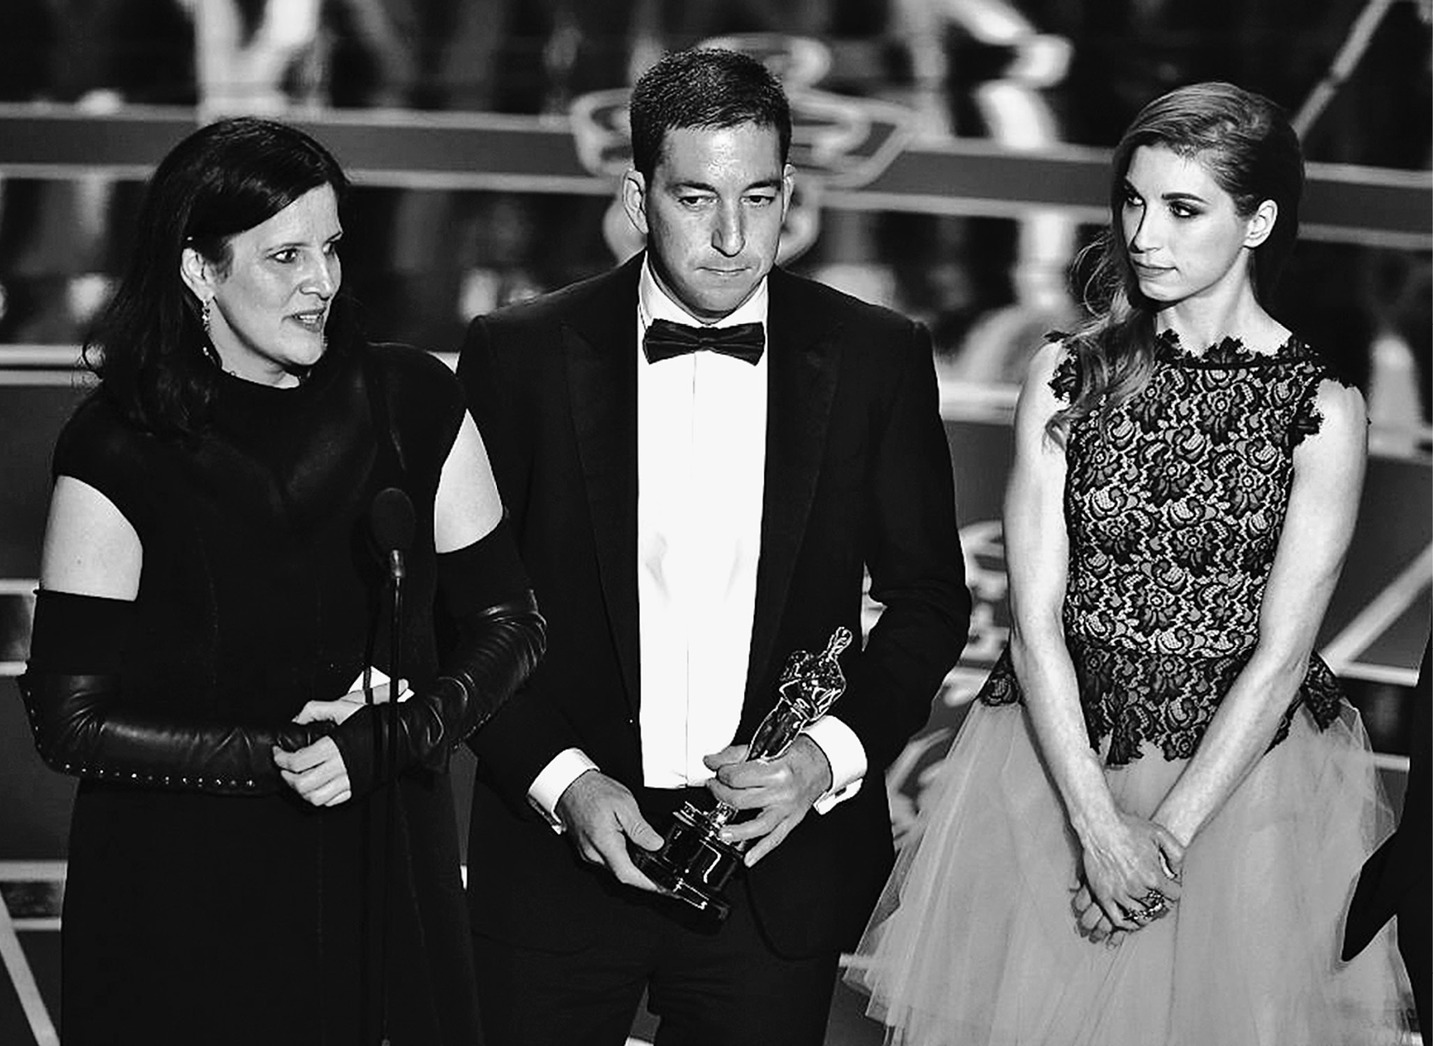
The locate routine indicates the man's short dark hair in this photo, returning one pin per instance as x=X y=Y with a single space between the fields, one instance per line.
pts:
x=704 y=87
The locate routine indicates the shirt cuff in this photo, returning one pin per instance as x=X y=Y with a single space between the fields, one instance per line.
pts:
x=547 y=788
x=845 y=753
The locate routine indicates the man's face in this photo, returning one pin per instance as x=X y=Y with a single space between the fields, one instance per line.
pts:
x=712 y=214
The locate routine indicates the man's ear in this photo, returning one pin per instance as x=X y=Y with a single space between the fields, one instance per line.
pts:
x=1261 y=223
x=198 y=273
x=634 y=199
x=788 y=185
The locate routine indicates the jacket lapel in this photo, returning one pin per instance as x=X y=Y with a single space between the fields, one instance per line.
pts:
x=600 y=347
x=802 y=373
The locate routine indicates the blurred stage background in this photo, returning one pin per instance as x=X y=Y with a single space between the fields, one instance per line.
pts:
x=952 y=162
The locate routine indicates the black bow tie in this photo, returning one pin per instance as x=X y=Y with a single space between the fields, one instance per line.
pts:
x=666 y=339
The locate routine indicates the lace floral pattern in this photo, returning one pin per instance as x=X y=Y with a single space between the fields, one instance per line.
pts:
x=1174 y=512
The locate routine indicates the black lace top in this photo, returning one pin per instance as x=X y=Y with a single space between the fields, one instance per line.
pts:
x=1174 y=513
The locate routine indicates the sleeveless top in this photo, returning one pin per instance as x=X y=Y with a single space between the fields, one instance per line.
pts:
x=1174 y=511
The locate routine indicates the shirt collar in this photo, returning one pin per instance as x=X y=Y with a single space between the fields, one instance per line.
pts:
x=654 y=303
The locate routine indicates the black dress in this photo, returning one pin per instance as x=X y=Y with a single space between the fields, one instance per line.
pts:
x=192 y=917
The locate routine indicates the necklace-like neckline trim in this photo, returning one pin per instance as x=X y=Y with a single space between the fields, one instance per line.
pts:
x=1227 y=353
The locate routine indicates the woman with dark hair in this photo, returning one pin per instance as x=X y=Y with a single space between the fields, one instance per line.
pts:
x=258 y=851
x=1152 y=816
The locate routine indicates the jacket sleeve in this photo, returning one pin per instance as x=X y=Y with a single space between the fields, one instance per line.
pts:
x=914 y=560
x=496 y=373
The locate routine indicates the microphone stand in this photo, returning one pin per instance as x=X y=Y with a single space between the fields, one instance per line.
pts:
x=397 y=571
x=392 y=523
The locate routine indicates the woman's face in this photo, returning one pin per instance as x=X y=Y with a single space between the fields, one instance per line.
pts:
x=269 y=308
x=1183 y=236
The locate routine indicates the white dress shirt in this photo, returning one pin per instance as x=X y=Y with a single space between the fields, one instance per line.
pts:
x=701 y=459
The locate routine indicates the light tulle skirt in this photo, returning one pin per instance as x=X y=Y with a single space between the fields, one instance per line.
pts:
x=974 y=940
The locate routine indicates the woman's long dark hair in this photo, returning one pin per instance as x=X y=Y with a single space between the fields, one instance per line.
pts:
x=1248 y=147
x=148 y=347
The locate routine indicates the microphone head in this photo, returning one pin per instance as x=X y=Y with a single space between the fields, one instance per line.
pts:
x=392 y=520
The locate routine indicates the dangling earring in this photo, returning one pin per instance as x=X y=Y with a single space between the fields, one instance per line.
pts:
x=207 y=346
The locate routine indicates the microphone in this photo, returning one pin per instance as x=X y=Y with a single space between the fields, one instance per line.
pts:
x=393 y=524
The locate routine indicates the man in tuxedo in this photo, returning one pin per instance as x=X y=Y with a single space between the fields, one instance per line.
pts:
x=702 y=455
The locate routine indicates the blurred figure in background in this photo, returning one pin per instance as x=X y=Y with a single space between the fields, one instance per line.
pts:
x=210 y=609
x=1159 y=760
x=1395 y=882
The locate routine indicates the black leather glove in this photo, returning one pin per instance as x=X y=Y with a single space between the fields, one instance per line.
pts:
x=80 y=730
x=497 y=648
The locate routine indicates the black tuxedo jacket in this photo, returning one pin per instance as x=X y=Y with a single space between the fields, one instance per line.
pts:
x=1395 y=878
x=857 y=478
